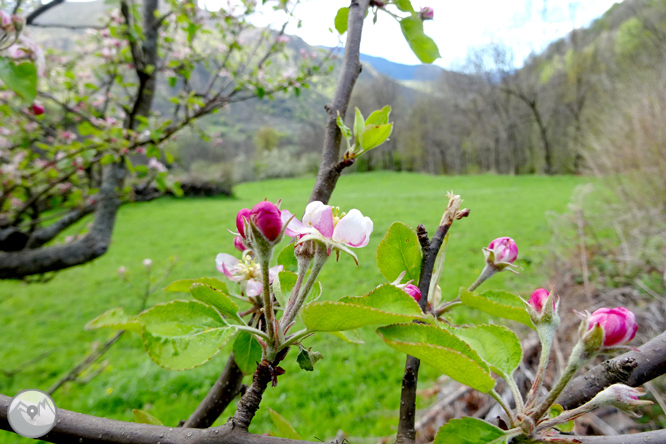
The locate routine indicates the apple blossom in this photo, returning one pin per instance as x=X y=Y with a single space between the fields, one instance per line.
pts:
x=156 y=165
x=147 y=263
x=538 y=299
x=245 y=271
x=501 y=253
x=238 y=244
x=618 y=324
x=426 y=13
x=37 y=108
x=241 y=218
x=324 y=224
x=267 y=218
x=408 y=287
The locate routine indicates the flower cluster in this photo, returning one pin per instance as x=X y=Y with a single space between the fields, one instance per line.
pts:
x=325 y=224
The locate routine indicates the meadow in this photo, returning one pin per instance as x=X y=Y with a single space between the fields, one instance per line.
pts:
x=355 y=388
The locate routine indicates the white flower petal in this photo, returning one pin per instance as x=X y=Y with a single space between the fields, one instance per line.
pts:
x=253 y=288
x=353 y=230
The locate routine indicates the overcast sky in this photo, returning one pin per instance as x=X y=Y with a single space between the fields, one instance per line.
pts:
x=525 y=25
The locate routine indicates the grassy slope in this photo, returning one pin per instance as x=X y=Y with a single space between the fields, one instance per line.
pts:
x=355 y=388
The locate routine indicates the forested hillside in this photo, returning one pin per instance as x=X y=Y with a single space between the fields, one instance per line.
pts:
x=546 y=117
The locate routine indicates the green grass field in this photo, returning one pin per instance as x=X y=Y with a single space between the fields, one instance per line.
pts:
x=355 y=388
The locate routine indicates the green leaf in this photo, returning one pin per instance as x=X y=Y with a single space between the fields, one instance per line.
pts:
x=399 y=251
x=181 y=335
x=115 y=319
x=20 y=78
x=404 y=5
x=216 y=298
x=384 y=305
x=315 y=293
x=423 y=46
x=86 y=129
x=441 y=349
x=498 y=303
x=183 y=285
x=374 y=135
x=379 y=117
x=142 y=417
x=350 y=336
x=359 y=125
x=341 y=19
x=468 y=431
x=284 y=429
x=287 y=259
x=555 y=411
x=498 y=346
x=344 y=129
x=172 y=81
x=283 y=285
x=247 y=352
x=307 y=359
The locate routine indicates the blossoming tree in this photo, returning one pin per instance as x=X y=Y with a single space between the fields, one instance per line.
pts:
x=267 y=310
x=76 y=127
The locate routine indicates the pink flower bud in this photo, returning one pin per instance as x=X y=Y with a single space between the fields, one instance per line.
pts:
x=242 y=216
x=267 y=218
x=619 y=325
x=426 y=13
x=238 y=244
x=37 y=108
x=538 y=299
x=413 y=291
x=504 y=249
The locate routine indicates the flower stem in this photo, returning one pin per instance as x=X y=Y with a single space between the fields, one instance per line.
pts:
x=268 y=306
x=520 y=406
x=546 y=345
x=504 y=405
x=576 y=361
x=487 y=272
x=303 y=266
x=319 y=261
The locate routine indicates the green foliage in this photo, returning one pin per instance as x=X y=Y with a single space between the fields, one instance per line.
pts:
x=383 y=305
x=287 y=259
x=404 y=5
x=441 y=349
x=178 y=226
x=184 y=285
x=555 y=411
x=630 y=36
x=468 y=431
x=400 y=251
x=20 y=78
x=498 y=303
x=216 y=298
x=341 y=19
x=498 y=346
x=142 y=417
x=284 y=429
x=423 y=46
x=307 y=359
x=283 y=285
x=181 y=335
x=247 y=352
x=115 y=319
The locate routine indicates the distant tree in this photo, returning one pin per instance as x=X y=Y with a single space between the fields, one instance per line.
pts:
x=74 y=136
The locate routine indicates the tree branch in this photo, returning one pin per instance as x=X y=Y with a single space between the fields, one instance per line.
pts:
x=406 y=423
x=41 y=10
x=16 y=265
x=634 y=369
x=351 y=68
x=46 y=234
x=75 y=427
x=225 y=389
